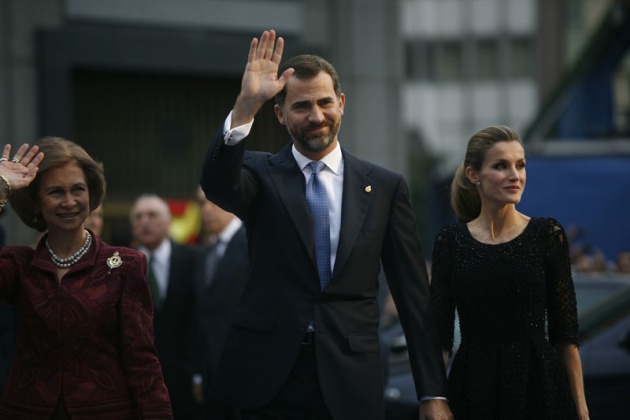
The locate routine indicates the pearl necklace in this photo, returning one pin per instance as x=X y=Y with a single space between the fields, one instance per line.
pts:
x=73 y=259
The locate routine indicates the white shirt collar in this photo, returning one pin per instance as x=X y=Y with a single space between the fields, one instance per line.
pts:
x=228 y=231
x=161 y=253
x=332 y=160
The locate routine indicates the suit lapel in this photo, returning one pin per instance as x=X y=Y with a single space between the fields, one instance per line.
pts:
x=289 y=179
x=289 y=182
x=354 y=206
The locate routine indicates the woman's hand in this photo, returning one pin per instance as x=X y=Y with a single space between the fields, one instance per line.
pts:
x=20 y=170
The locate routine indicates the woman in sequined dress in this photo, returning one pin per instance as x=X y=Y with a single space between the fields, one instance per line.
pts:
x=85 y=323
x=509 y=278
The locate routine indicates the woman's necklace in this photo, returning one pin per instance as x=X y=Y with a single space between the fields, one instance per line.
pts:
x=72 y=259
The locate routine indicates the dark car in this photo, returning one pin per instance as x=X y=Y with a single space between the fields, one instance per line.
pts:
x=605 y=354
x=401 y=402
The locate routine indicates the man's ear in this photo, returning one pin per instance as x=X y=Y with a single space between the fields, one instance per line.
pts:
x=342 y=102
x=279 y=114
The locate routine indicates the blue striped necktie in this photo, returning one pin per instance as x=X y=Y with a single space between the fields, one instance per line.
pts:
x=318 y=202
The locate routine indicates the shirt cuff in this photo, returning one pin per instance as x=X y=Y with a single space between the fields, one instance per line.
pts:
x=197 y=379
x=233 y=136
x=433 y=398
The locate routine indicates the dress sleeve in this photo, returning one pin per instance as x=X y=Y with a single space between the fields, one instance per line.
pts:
x=441 y=294
x=561 y=301
x=139 y=356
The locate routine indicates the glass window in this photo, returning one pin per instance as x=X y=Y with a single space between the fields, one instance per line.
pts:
x=449 y=64
x=419 y=58
x=486 y=60
x=521 y=58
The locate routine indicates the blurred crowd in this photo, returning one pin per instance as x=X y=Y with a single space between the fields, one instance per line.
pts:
x=588 y=258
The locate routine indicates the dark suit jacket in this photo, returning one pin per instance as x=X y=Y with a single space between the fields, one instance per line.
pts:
x=175 y=327
x=282 y=296
x=217 y=302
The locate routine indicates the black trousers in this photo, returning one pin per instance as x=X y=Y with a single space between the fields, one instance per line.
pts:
x=300 y=398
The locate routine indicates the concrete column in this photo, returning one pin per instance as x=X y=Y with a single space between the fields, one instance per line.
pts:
x=364 y=44
x=19 y=21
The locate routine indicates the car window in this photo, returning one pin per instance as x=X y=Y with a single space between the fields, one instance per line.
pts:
x=589 y=293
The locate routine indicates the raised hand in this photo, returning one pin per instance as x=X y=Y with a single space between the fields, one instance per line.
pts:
x=260 y=80
x=20 y=171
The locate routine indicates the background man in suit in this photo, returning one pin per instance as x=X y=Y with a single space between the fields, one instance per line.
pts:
x=221 y=276
x=171 y=272
x=304 y=342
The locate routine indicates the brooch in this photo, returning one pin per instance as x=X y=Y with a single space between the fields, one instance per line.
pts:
x=114 y=261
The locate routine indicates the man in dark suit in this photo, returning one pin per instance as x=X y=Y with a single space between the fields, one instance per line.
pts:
x=304 y=341
x=221 y=276
x=171 y=272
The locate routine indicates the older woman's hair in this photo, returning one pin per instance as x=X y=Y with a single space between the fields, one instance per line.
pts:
x=58 y=152
x=465 y=199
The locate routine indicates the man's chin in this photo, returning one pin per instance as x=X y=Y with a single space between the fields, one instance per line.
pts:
x=318 y=144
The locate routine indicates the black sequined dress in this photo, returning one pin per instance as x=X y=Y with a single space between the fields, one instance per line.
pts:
x=509 y=297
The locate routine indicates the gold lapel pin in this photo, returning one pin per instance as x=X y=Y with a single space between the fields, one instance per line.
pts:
x=114 y=261
x=368 y=188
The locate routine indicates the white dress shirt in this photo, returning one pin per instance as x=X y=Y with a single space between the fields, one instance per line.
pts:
x=161 y=264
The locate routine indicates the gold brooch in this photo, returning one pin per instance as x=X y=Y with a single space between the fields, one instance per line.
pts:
x=368 y=189
x=114 y=261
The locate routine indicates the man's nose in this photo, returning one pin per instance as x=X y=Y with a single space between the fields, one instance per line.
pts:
x=316 y=115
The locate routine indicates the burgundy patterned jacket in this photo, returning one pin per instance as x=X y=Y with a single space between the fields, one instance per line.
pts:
x=88 y=339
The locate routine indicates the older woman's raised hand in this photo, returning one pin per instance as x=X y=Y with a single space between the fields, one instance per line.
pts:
x=20 y=170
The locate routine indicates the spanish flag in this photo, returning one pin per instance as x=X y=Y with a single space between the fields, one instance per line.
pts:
x=186 y=221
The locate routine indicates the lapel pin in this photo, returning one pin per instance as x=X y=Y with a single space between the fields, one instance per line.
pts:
x=114 y=261
x=368 y=188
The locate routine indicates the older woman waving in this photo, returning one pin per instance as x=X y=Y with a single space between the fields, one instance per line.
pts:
x=85 y=341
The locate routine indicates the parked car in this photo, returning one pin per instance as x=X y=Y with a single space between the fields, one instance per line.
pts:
x=401 y=402
x=605 y=354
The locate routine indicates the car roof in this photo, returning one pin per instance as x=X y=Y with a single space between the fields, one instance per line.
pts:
x=590 y=288
x=605 y=313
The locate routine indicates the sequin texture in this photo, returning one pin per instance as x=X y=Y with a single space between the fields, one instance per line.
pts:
x=514 y=301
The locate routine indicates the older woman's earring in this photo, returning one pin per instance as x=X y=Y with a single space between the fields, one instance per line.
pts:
x=478 y=182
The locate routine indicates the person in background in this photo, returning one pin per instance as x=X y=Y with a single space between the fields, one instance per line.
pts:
x=7 y=329
x=304 y=342
x=85 y=337
x=221 y=276
x=170 y=274
x=623 y=262
x=94 y=221
x=508 y=276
